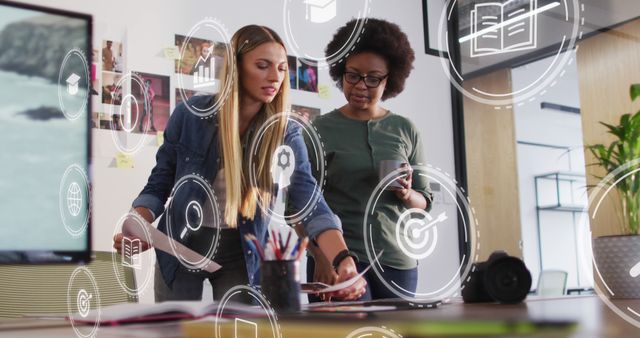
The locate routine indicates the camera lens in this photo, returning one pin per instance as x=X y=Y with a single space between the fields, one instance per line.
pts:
x=507 y=280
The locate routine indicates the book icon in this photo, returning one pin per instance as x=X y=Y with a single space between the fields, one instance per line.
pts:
x=245 y=329
x=131 y=252
x=498 y=28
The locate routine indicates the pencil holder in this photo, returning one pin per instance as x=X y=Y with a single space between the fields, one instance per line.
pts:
x=280 y=284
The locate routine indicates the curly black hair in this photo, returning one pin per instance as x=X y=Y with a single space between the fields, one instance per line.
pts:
x=380 y=37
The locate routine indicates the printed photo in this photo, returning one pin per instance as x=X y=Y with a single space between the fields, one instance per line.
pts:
x=201 y=58
x=308 y=76
x=188 y=93
x=293 y=71
x=308 y=113
x=154 y=116
x=112 y=56
x=109 y=93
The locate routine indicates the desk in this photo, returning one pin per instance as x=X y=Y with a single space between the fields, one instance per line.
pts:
x=593 y=317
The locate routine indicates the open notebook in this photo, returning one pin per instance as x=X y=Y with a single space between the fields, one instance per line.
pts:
x=174 y=310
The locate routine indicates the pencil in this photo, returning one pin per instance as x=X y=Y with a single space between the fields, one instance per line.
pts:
x=286 y=245
x=303 y=247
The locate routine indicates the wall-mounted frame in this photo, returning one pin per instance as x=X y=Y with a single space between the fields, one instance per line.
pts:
x=431 y=11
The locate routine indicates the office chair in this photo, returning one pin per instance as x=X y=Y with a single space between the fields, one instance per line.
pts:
x=552 y=283
x=42 y=289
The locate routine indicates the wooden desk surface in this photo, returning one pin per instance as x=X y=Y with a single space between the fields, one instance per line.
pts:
x=593 y=318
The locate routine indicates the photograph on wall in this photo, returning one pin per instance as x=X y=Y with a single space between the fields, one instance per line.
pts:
x=293 y=71
x=111 y=93
x=95 y=82
x=100 y=120
x=188 y=93
x=307 y=113
x=154 y=116
x=308 y=76
x=112 y=56
x=201 y=58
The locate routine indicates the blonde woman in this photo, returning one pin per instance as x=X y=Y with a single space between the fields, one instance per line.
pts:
x=215 y=149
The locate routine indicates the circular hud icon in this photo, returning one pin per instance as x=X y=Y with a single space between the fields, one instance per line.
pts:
x=421 y=236
x=232 y=324
x=492 y=33
x=320 y=19
x=205 y=56
x=74 y=84
x=193 y=215
x=285 y=163
x=74 y=200
x=614 y=261
x=83 y=303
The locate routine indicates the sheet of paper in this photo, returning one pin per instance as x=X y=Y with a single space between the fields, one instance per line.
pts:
x=341 y=285
x=162 y=242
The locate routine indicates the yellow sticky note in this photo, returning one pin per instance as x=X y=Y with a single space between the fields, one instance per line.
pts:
x=124 y=161
x=172 y=53
x=160 y=138
x=324 y=92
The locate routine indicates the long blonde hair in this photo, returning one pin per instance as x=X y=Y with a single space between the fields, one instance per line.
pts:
x=240 y=195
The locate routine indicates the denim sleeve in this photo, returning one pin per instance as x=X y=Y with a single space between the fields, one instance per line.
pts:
x=158 y=188
x=304 y=189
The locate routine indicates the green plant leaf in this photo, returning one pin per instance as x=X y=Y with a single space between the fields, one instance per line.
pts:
x=635 y=91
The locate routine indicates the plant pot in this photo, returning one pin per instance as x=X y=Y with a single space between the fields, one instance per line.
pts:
x=615 y=257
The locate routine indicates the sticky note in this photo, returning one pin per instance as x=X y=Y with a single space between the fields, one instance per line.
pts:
x=160 y=138
x=124 y=161
x=324 y=92
x=172 y=53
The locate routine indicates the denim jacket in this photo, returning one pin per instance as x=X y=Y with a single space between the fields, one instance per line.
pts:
x=191 y=147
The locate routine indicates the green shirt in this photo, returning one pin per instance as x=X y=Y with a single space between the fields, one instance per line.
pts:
x=353 y=151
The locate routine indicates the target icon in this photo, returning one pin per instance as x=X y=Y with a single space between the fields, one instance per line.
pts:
x=416 y=232
x=84 y=302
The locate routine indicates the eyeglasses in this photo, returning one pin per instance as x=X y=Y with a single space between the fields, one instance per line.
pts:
x=369 y=80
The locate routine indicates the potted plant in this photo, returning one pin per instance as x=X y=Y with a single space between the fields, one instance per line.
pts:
x=618 y=256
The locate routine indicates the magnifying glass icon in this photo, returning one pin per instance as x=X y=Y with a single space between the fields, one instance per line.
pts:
x=192 y=215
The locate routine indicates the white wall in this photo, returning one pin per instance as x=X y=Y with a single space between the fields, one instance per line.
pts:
x=549 y=127
x=147 y=27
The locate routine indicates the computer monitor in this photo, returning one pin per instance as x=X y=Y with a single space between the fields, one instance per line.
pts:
x=45 y=136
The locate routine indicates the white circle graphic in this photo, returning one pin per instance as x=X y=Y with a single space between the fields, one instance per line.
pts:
x=83 y=295
x=285 y=165
x=321 y=18
x=571 y=18
x=74 y=200
x=416 y=235
x=74 y=72
x=226 y=313
x=202 y=77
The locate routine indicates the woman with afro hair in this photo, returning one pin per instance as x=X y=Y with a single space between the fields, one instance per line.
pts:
x=357 y=137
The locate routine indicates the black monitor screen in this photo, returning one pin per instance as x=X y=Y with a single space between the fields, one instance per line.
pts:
x=45 y=78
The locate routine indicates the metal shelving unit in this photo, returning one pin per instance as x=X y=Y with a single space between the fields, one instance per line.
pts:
x=560 y=179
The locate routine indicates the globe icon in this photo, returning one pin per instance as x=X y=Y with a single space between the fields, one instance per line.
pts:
x=74 y=199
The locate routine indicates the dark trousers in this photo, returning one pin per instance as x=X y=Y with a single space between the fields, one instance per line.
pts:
x=406 y=279
x=188 y=285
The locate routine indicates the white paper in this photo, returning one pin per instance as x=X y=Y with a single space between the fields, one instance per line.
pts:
x=162 y=242
x=347 y=283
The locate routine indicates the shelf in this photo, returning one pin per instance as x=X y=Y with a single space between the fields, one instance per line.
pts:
x=567 y=208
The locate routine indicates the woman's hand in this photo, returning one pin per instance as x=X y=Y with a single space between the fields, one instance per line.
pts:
x=128 y=229
x=323 y=271
x=117 y=242
x=404 y=193
x=347 y=270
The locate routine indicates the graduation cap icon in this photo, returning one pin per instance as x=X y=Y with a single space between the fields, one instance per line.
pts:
x=319 y=11
x=72 y=84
